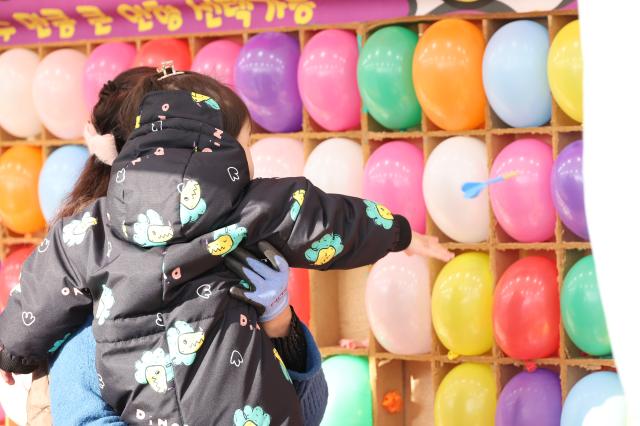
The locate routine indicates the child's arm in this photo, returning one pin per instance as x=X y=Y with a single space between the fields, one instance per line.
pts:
x=318 y=230
x=49 y=302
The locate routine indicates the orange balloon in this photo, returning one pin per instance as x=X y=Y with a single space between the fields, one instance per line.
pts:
x=19 y=206
x=447 y=74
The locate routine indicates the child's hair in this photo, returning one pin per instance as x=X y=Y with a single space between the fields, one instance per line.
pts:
x=115 y=113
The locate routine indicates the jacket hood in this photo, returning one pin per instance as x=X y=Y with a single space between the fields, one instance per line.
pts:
x=179 y=175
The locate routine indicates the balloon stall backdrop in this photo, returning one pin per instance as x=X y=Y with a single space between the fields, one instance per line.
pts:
x=470 y=128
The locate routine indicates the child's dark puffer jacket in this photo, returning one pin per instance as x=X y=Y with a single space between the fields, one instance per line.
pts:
x=173 y=347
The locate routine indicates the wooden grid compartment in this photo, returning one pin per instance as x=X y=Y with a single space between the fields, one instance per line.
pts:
x=337 y=297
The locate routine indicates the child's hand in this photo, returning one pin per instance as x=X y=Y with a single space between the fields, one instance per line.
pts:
x=7 y=377
x=428 y=246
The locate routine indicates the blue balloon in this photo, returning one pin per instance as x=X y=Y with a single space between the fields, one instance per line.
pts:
x=57 y=177
x=514 y=72
x=596 y=399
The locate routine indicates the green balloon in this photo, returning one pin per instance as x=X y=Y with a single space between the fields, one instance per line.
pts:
x=384 y=77
x=582 y=312
x=349 y=391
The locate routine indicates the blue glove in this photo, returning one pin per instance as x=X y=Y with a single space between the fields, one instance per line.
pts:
x=266 y=281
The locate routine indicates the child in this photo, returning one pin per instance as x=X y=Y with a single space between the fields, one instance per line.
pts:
x=173 y=347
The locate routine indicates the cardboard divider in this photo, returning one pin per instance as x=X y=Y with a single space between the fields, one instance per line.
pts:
x=412 y=381
x=337 y=306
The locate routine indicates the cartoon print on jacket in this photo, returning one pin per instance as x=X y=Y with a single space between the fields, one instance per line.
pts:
x=251 y=417
x=282 y=366
x=73 y=233
x=151 y=231
x=105 y=303
x=155 y=369
x=325 y=249
x=58 y=343
x=16 y=289
x=184 y=342
x=225 y=240
x=192 y=205
x=197 y=98
x=298 y=199
x=380 y=214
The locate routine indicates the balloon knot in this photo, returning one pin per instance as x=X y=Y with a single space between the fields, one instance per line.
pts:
x=392 y=402
x=452 y=355
x=530 y=367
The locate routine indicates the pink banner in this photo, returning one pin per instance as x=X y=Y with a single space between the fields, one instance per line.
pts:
x=35 y=21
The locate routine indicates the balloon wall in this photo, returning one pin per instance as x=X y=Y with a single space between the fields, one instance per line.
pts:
x=468 y=126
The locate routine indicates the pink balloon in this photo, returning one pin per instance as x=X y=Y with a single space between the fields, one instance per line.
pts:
x=277 y=157
x=335 y=166
x=218 y=60
x=17 y=112
x=393 y=178
x=57 y=93
x=327 y=79
x=523 y=205
x=104 y=64
x=398 y=303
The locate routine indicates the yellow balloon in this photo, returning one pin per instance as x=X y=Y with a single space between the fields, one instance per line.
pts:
x=467 y=396
x=564 y=67
x=461 y=305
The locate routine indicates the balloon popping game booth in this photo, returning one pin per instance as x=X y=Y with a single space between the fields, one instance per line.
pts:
x=463 y=116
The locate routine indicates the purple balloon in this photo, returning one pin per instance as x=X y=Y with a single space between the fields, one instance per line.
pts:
x=530 y=399
x=266 y=79
x=567 y=190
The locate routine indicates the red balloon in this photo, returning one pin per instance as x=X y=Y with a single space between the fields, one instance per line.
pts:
x=154 y=52
x=299 y=293
x=10 y=272
x=526 y=309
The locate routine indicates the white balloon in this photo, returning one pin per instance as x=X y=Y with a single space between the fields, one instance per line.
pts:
x=336 y=166
x=398 y=302
x=455 y=161
x=18 y=114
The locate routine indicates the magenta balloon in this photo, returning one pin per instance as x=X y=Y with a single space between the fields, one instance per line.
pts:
x=398 y=303
x=266 y=80
x=522 y=204
x=567 y=189
x=393 y=178
x=104 y=64
x=327 y=79
x=218 y=60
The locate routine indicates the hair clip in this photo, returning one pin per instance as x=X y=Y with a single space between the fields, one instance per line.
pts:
x=164 y=69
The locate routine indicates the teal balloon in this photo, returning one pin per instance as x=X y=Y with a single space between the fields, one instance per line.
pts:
x=582 y=312
x=384 y=78
x=58 y=176
x=514 y=72
x=350 y=400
